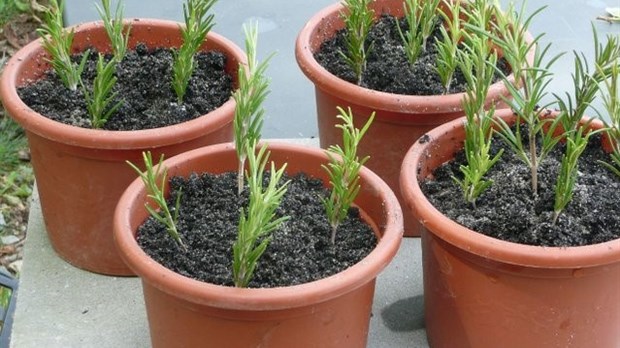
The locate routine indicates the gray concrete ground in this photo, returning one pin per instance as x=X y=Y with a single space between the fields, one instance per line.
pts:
x=60 y=306
x=291 y=111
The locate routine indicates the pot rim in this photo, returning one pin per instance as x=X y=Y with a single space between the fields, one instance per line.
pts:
x=378 y=100
x=257 y=299
x=106 y=139
x=477 y=243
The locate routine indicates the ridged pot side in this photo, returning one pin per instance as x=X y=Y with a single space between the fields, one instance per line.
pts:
x=331 y=312
x=483 y=292
x=400 y=119
x=81 y=173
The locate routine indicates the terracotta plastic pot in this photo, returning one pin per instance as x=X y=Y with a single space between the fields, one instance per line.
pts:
x=400 y=119
x=483 y=292
x=81 y=173
x=331 y=312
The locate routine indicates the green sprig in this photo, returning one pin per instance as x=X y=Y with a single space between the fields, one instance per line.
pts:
x=448 y=45
x=611 y=100
x=576 y=142
x=197 y=26
x=586 y=82
x=156 y=193
x=57 y=42
x=358 y=18
x=100 y=103
x=586 y=85
x=421 y=18
x=527 y=91
x=478 y=133
x=114 y=28
x=259 y=221
x=343 y=170
x=252 y=92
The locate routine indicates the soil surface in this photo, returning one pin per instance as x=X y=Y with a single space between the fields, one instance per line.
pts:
x=387 y=67
x=509 y=210
x=299 y=252
x=143 y=86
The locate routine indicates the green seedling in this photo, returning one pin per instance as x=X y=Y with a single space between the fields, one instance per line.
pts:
x=478 y=133
x=100 y=102
x=448 y=45
x=259 y=220
x=576 y=143
x=114 y=28
x=155 y=192
x=343 y=170
x=572 y=111
x=358 y=18
x=611 y=100
x=527 y=90
x=57 y=42
x=586 y=82
x=252 y=92
x=420 y=16
x=197 y=25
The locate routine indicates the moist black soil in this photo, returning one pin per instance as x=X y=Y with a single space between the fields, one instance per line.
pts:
x=144 y=87
x=387 y=66
x=300 y=250
x=509 y=211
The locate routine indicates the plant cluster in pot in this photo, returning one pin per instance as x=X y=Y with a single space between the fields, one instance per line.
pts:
x=396 y=74
x=529 y=255
x=114 y=106
x=259 y=239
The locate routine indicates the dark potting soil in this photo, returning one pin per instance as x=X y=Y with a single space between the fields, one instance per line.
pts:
x=299 y=252
x=143 y=86
x=508 y=210
x=387 y=67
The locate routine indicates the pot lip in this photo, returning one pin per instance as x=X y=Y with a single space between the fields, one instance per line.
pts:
x=377 y=100
x=257 y=299
x=484 y=246
x=36 y=123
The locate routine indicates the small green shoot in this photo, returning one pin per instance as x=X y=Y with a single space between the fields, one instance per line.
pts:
x=259 y=220
x=197 y=26
x=576 y=143
x=527 y=90
x=156 y=193
x=252 y=92
x=57 y=42
x=420 y=16
x=611 y=100
x=448 y=45
x=343 y=170
x=358 y=18
x=572 y=111
x=114 y=28
x=479 y=76
x=100 y=103
x=585 y=82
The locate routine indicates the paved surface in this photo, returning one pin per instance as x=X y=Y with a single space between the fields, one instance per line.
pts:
x=291 y=111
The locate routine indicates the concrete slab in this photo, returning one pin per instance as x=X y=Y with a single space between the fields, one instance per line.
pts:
x=290 y=108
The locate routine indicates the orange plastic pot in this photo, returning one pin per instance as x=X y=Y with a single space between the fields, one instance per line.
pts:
x=331 y=312
x=483 y=292
x=400 y=119
x=81 y=173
